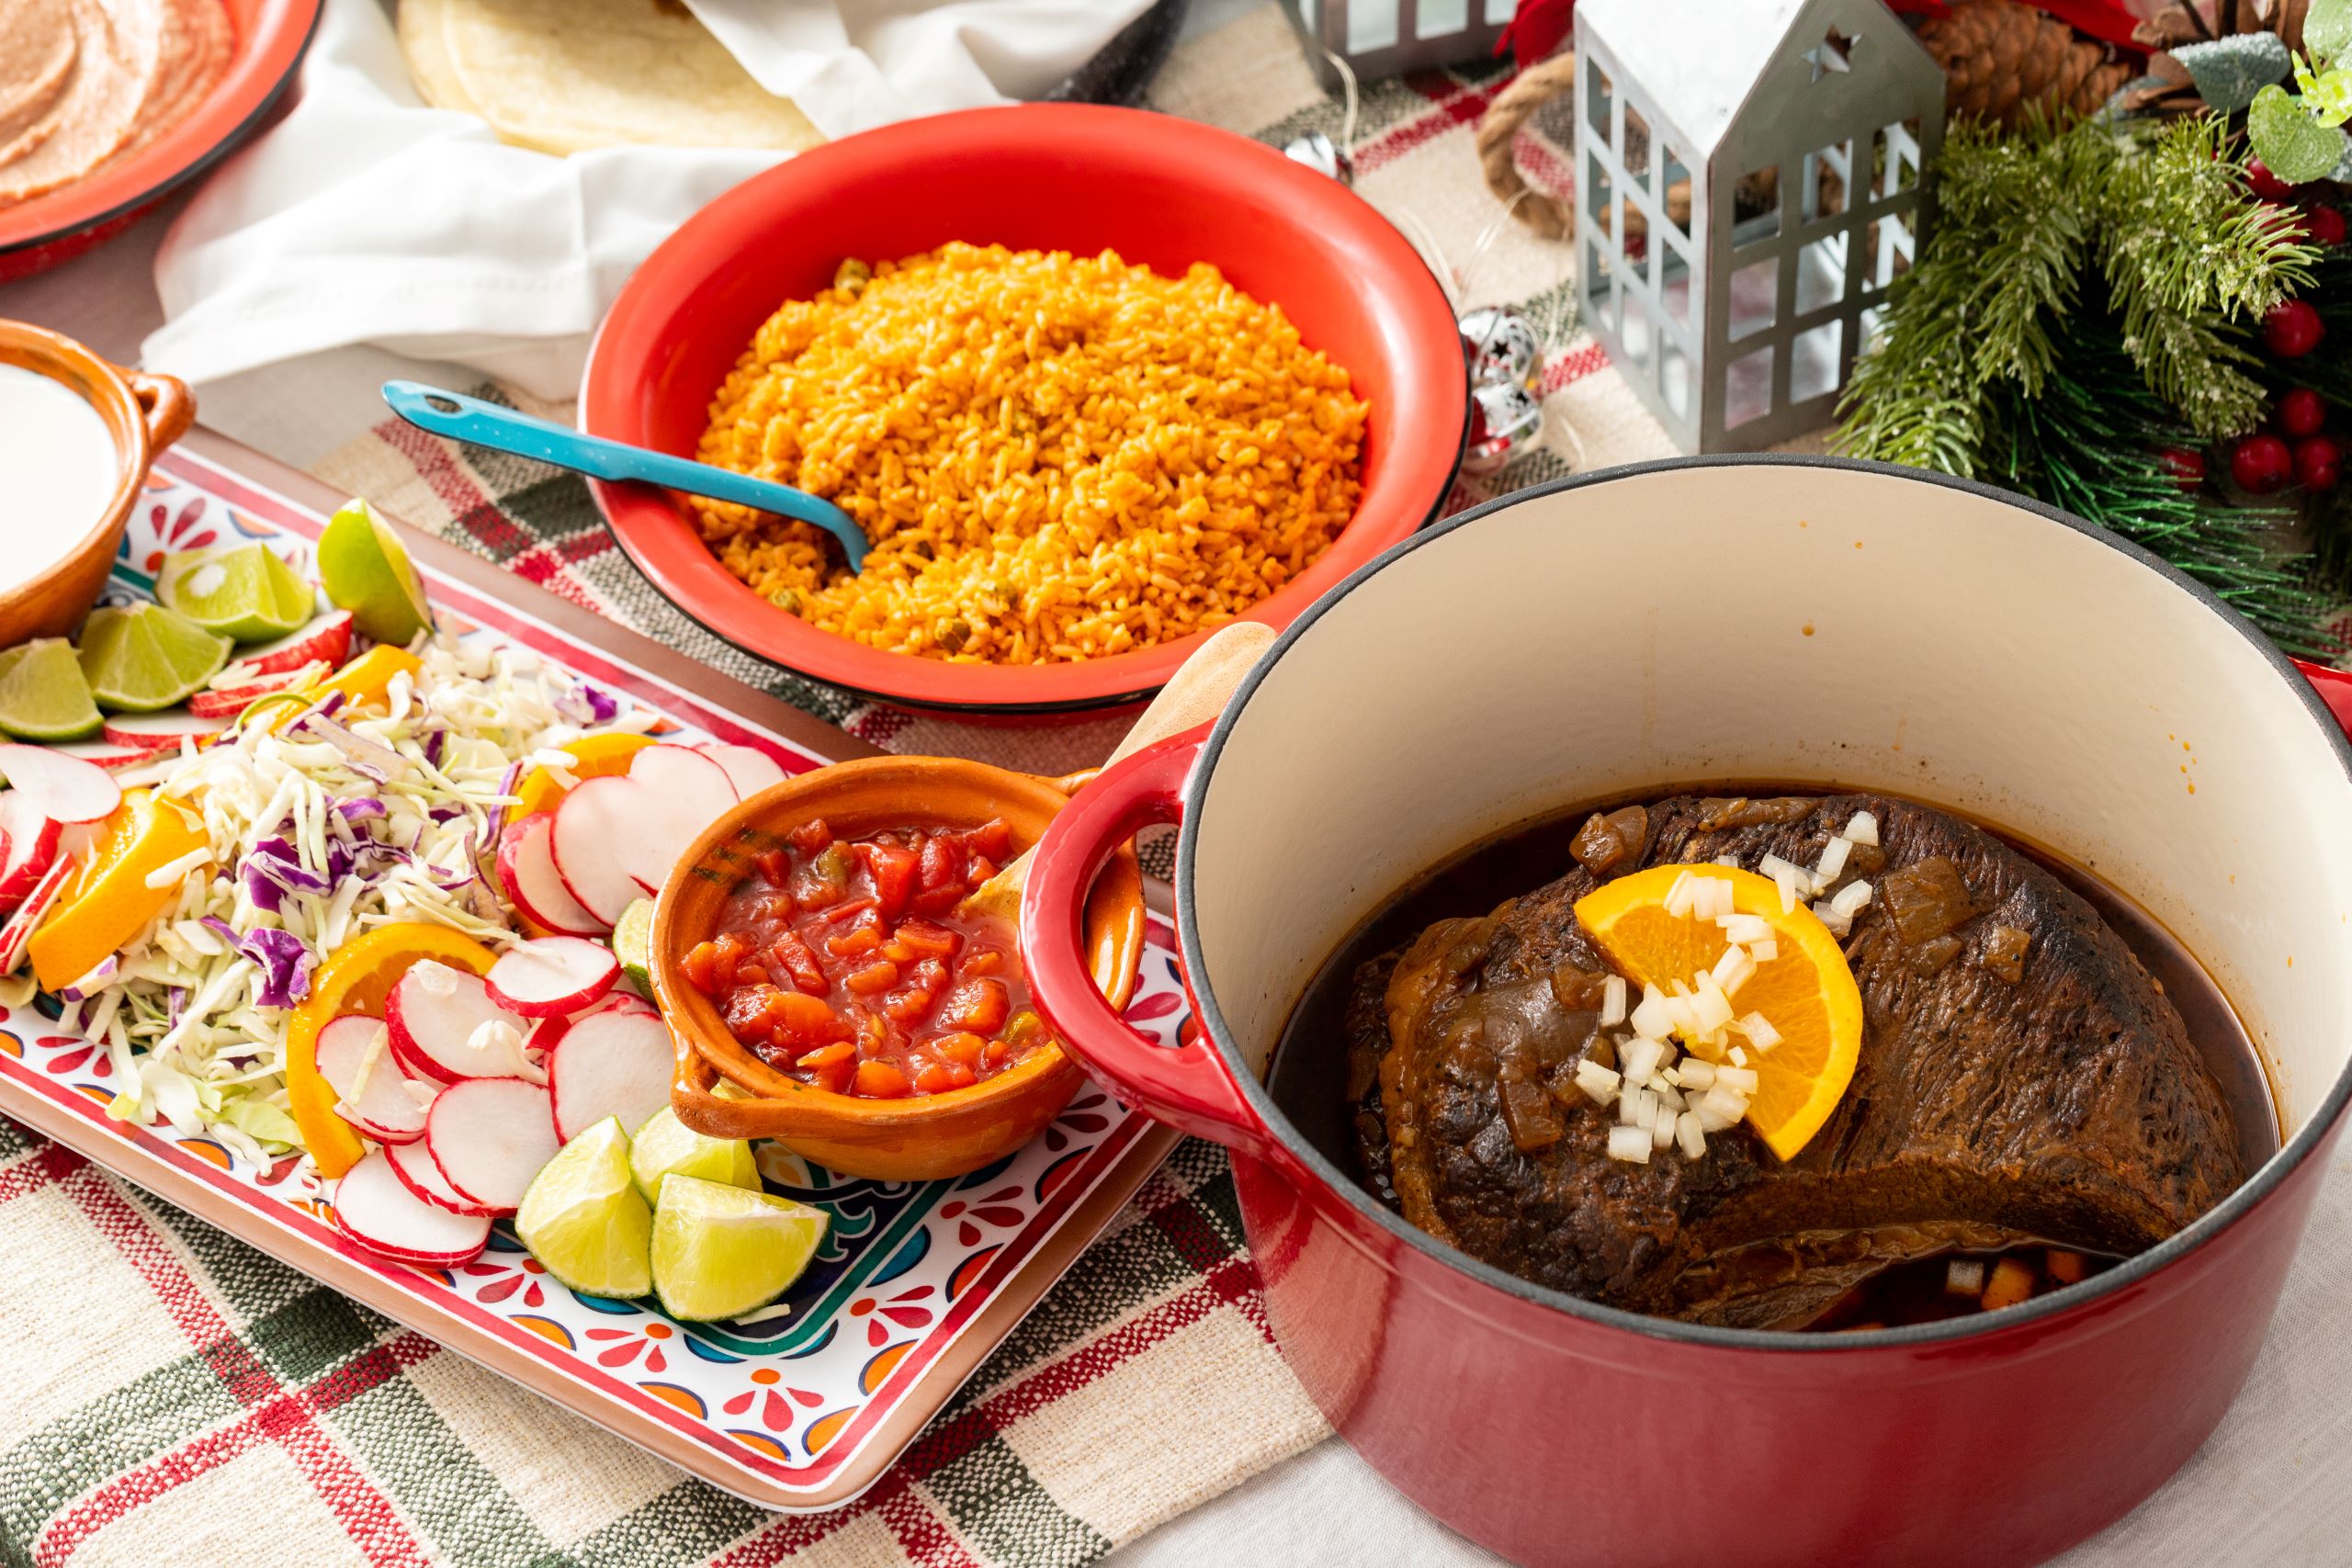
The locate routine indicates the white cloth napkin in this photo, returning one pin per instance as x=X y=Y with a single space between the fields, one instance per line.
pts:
x=854 y=64
x=365 y=216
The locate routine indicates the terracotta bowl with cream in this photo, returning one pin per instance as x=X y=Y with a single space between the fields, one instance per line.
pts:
x=77 y=435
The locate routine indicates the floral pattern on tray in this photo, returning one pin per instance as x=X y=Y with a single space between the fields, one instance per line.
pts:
x=904 y=1267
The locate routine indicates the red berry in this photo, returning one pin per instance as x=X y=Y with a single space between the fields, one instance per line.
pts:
x=2318 y=462
x=2261 y=464
x=2322 y=226
x=2264 y=184
x=2300 y=412
x=2292 y=328
x=2186 y=467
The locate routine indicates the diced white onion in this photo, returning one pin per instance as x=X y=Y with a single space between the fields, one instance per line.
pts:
x=1759 y=1030
x=1850 y=898
x=1695 y=1072
x=1965 y=1276
x=1738 y=1057
x=1678 y=897
x=1721 y=1107
x=1652 y=1020
x=1662 y=1130
x=1764 y=951
x=1612 y=1001
x=1690 y=1134
x=1733 y=969
x=1832 y=861
x=1710 y=1007
x=1862 y=829
x=1838 y=922
x=1642 y=1058
x=1598 y=1082
x=1629 y=1143
x=1741 y=1080
x=1731 y=860
x=1745 y=928
x=1668 y=1095
x=1786 y=877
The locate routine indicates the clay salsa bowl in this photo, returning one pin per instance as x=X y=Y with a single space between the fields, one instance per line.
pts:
x=922 y=1136
x=143 y=413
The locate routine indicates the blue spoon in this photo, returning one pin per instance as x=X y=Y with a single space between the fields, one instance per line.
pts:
x=487 y=424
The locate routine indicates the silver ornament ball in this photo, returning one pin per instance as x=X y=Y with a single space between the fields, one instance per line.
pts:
x=1498 y=345
x=1506 y=423
x=1320 y=153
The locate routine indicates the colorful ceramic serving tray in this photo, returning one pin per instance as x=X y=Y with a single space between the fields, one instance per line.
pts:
x=917 y=1282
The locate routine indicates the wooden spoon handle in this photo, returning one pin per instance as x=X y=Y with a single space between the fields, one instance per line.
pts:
x=1201 y=686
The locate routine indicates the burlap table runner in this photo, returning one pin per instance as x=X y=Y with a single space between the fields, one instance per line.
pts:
x=177 y=1397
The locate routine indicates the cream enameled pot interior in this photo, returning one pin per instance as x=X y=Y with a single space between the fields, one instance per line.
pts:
x=1795 y=621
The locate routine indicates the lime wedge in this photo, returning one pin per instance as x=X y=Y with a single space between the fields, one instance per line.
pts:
x=145 y=657
x=582 y=1220
x=365 y=570
x=246 y=594
x=42 y=693
x=721 y=1251
x=633 y=946
x=666 y=1146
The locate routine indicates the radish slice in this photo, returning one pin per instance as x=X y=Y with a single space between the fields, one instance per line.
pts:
x=105 y=755
x=489 y=1136
x=413 y=1163
x=445 y=1027
x=62 y=787
x=685 y=792
x=375 y=1208
x=552 y=975
x=326 y=641
x=593 y=827
x=527 y=869
x=33 y=846
x=748 y=769
x=619 y=1000
x=228 y=701
x=160 y=731
x=611 y=1063
x=355 y=1055
x=19 y=931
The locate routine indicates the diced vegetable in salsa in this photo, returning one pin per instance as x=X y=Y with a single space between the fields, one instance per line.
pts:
x=847 y=966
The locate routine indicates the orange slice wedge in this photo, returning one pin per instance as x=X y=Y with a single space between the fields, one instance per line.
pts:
x=593 y=755
x=107 y=902
x=363 y=681
x=357 y=979
x=1806 y=991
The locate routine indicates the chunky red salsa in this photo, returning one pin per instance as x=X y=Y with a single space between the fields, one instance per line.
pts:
x=848 y=965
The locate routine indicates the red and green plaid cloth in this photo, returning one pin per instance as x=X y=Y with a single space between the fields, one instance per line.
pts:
x=172 y=1395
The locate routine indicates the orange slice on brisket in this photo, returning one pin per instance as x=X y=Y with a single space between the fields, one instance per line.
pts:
x=1805 y=991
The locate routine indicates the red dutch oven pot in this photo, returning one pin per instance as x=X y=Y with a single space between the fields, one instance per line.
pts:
x=1737 y=620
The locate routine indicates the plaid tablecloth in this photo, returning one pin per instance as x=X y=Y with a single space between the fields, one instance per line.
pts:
x=173 y=1396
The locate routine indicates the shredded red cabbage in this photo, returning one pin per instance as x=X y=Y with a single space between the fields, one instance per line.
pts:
x=285 y=965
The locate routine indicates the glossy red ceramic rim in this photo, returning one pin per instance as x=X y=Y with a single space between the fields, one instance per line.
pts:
x=629 y=363
x=270 y=45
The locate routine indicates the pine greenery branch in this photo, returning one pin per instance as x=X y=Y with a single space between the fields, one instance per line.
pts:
x=2015 y=192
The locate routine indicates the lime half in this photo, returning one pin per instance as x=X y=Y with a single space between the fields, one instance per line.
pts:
x=365 y=570
x=633 y=945
x=666 y=1146
x=246 y=594
x=721 y=1251
x=145 y=657
x=585 y=1222
x=42 y=693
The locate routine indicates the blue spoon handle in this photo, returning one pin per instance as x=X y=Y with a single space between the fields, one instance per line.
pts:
x=480 y=423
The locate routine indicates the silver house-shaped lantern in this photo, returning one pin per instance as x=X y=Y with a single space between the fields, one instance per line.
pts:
x=1387 y=37
x=1750 y=177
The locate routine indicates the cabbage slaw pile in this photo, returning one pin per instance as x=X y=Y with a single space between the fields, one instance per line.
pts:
x=344 y=819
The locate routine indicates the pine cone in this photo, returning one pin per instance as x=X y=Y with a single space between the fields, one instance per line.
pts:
x=2002 y=58
x=2185 y=22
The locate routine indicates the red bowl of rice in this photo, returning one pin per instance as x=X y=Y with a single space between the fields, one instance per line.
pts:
x=1162 y=193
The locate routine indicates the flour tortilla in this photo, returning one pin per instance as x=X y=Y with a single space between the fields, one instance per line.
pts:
x=566 y=75
x=118 y=48
x=35 y=62
x=196 y=47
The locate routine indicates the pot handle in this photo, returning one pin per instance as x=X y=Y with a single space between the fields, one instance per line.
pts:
x=2334 y=689
x=1188 y=1086
x=166 y=402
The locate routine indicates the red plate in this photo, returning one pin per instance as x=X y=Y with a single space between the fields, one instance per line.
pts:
x=1158 y=190
x=271 y=37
